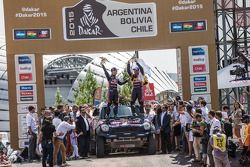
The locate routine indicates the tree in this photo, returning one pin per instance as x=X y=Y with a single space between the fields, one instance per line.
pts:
x=84 y=93
x=59 y=100
x=126 y=90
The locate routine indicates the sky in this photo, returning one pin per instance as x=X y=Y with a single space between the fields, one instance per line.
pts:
x=163 y=59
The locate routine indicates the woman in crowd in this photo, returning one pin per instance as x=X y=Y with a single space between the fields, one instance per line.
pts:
x=156 y=121
x=236 y=117
x=188 y=131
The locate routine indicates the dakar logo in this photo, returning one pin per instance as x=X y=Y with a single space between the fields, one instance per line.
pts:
x=89 y=22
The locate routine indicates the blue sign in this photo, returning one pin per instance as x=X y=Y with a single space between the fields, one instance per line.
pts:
x=198 y=51
x=26 y=87
x=24 y=60
x=200 y=79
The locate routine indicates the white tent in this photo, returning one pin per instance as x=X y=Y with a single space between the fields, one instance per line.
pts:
x=225 y=80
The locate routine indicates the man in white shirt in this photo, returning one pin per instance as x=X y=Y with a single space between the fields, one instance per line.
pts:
x=56 y=120
x=204 y=110
x=62 y=129
x=32 y=132
x=214 y=124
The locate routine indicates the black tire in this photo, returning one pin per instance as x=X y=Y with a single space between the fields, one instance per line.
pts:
x=92 y=148
x=151 y=145
x=100 y=150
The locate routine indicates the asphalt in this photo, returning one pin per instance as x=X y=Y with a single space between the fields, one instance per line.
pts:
x=133 y=160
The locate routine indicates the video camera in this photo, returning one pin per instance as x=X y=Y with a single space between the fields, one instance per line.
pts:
x=239 y=72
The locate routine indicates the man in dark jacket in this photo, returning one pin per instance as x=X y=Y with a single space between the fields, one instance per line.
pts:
x=112 y=88
x=83 y=131
x=165 y=131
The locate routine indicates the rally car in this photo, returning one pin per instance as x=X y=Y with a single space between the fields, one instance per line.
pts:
x=125 y=132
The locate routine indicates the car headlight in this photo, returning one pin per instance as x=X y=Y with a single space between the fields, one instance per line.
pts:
x=104 y=127
x=147 y=126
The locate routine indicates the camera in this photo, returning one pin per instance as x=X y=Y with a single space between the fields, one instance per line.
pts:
x=239 y=72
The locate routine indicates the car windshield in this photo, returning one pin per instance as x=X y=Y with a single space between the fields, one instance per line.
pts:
x=123 y=111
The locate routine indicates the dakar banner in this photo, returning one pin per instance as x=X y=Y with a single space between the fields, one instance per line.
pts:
x=106 y=19
x=149 y=92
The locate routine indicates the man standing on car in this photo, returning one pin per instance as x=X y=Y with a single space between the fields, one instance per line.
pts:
x=112 y=89
x=32 y=132
x=138 y=81
x=83 y=131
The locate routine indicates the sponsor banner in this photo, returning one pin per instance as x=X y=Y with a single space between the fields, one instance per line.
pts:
x=32 y=34
x=200 y=84
x=188 y=26
x=22 y=126
x=23 y=108
x=103 y=19
x=26 y=93
x=198 y=59
x=25 y=68
x=149 y=92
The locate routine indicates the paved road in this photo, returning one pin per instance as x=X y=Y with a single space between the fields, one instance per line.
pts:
x=131 y=160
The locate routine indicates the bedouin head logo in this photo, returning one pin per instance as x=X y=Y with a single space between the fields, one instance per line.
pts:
x=88 y=18
x=89 y=22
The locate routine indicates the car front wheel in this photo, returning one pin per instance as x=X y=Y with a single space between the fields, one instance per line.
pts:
x=100 y=147
x=151 y=145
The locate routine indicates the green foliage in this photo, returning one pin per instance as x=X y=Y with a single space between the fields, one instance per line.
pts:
x=84 y=93
x=59 y=100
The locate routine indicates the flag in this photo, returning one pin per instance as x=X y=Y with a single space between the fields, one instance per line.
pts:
x=188 y=26
x=200 y=26
x=31 y=34
x=44 y=34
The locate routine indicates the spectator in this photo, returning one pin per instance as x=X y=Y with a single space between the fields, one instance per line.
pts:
x=225 y=112
x=46 y=140
x=149 y=115
x=165 y=131
x=204 y=109
x=246 y=136
x=32 y=133
x=188 y=131
x=83 y=130
x=60 y=109
x=198 y=127
x=214 y=123
x=176 y=127
x=73 y=139
x=56 y=119
x=157 y=123
x=63 y=128
x=237 y=116
x=218 y=143
x=75 y=112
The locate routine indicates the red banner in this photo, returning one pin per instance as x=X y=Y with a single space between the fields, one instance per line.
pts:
x=149 y=92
